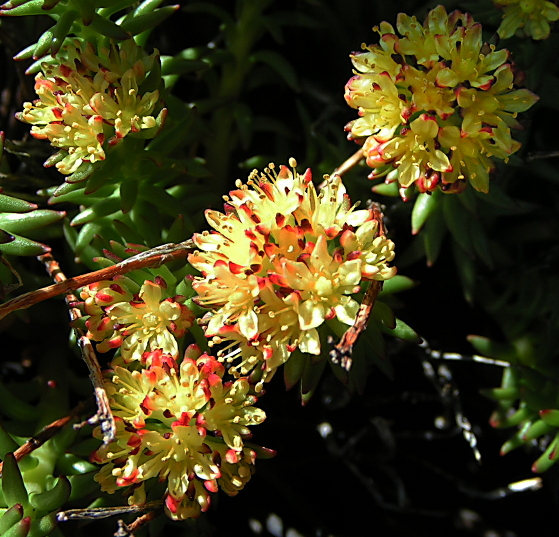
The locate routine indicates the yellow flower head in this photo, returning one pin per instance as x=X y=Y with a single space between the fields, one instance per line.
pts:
x=90 y=99
x=181 y=424
x=413 y=93
x=137 y=324
x=281 y=262
x=530 y=18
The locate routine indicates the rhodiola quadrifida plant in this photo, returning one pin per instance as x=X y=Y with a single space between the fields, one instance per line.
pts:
x=196 y=217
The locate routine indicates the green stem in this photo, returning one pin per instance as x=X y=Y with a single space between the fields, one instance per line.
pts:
x=240 y=41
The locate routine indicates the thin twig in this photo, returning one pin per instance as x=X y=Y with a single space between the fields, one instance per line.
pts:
x=449 y=394
x=144 y=519
x=438 y=355
x=541 y=154
x=105 y=512
x=47 y=433
x=103 y=416
x=350 y=163
x=342 y=352
x=150 y=258
x=347 y=165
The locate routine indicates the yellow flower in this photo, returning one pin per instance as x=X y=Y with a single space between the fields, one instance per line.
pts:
x=532 y=17
x=142 y=324
x=180 y=424
x=97 y=297
x=275 y=268
x=90 y=100
x=414 y=153
x=412 y=91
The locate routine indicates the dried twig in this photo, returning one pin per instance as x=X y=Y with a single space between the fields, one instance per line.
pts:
x=150 y=258
x=105 y=512
x=144 y=519
x=47 y=433
x=351 y=162
x=541 y=154
x=347 y=165
x=103 y=415
x=342 y=352
x=438 y=355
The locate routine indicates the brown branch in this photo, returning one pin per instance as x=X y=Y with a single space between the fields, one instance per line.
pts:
x=350 y=163
x=105 y=512
x=150 y=258
x=347 y=165
x=342 y=352
x=144 y=519
x=541 y=154
x=47 y=433
x=103 y=416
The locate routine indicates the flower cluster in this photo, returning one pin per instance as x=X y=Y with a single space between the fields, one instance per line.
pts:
x=135 y=324
x=179 y=423
x=531 y=16
x=435 y=104
x=282 y=260
x=89 y=99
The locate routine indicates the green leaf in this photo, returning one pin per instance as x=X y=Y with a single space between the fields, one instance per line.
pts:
x=310 y=379
x=12 y=482
x=20 y=529
x=244 y=123
x=536 y=430
x=458 y=221
x=423 y=207
x=7 y=444
x=548 y=458
x=178 y=231
x=83 y=172
x=128 y=233
x=211 y=9
x=466 y=269
x=52 y=499
x=85 y=236
x=34 y=7
x=43 y=44
x=20 y=223
x=480 y=242
x=387 y=189
x=382 y=313
x=179 y=66
x=128 y=195
x=108 y=28
x=12 y=516
x=147 y=220
x=493 y=349
x=140 y=23
x=550 y=416
x=358 y=373
x=277 y=62
x=83 y=485
x=26 y=53
x=24 y=247
x=97 y=210
x=293 y=368
x=502 y=394
x=401 y=331
x=9 y=204
x=61 y=28
x=397 y=284
x=147 y=6
x=433 y=234
x=109 y=7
